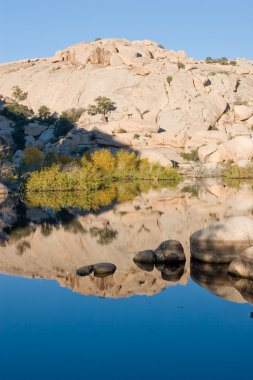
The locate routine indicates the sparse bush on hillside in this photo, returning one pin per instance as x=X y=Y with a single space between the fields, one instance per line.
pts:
x=103 y=106
x=44 y=112
x=18 y=94
x=161 y=46
x=169 y=79
x=181 y=65
x=222 y=61
x=33 y=158
x=73 y=114
x=191 y=156
x=17 y=112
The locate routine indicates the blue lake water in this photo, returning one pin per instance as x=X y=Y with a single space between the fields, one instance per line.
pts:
x=191 y=322
x=183 y=332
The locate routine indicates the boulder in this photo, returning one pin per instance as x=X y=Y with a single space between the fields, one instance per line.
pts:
x=236 y=149
x=104 y=269
x=146 y=256
x=169 y=251
x=34 y=129
x=243 y=112
x=47 y=135
x=242 y=266
x=84 y=271
x=18 y=157
x=163 y=156
x=221 y=241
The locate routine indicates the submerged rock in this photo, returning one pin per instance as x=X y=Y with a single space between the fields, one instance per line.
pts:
x=242 y=266
x=169 y=251
x=85 y=270
x=104 y=269
x=221 y=241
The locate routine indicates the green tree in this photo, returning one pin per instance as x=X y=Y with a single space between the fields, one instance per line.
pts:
x=18 y=94
x=44 y=112
x=103 y=106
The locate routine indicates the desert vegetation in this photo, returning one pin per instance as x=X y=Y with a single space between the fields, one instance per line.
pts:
x=98 y=171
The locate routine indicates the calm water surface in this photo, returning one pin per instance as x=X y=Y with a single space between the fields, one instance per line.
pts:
x=134 y=324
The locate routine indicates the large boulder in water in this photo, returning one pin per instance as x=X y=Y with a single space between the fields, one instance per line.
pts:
x=222 y=241
x=242 y=266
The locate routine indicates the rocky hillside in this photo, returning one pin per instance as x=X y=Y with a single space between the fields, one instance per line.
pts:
x=166 y=103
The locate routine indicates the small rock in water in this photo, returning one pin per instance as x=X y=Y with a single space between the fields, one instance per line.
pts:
x=146 y=256
x=170 y=251
x=85 y=270
x=104 y=269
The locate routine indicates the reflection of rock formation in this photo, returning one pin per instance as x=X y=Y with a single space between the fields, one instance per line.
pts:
x=245 y=287
x=214 y=278
x=56 y=251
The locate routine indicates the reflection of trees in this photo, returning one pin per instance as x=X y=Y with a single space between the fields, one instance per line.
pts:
x=105 y=235
x=22 y=247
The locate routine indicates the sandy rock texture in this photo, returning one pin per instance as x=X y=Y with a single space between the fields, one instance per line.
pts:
x=165 y=100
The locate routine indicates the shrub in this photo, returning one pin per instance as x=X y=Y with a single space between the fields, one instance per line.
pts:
x=233 y=63
x=104 y=160
x=161 y=46
x=17 y=112
x=136 y=136
x=169 y=79
x=44 y=112
x=192 y=156
x=18 y=94
x=121 y=130
x=33 y=158
x=73 y=114
x=181 y=65
x=103 y=106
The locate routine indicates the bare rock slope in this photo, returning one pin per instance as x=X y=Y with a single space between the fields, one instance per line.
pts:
x=166 y=102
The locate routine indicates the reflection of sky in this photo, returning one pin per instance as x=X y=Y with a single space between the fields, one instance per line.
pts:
x=48 y=332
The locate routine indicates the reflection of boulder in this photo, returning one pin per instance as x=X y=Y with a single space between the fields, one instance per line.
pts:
x=172 y=271
x=214 y=278
x=221 y=241
x=104 y=269
x=148 y=267
x=146 y=256
x=245 y=287
x=84 y=271
x=242 y=266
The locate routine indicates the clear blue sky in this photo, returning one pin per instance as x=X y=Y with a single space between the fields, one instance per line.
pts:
x=35 y=28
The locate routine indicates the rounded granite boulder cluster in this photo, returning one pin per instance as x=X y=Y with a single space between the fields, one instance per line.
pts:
x=100 y=270
x=168 y=258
